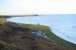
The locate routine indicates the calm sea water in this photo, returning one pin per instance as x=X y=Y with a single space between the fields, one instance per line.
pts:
x=64 y=26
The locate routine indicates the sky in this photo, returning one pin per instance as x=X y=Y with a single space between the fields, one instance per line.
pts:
x=63 y=25
x=41 y=7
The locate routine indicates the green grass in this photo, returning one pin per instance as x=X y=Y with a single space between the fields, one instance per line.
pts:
x=2 y=20
x=59 y=41
x=50 y=35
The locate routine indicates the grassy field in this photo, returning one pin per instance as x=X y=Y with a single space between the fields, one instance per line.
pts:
x=58 y=40
x=50 y=35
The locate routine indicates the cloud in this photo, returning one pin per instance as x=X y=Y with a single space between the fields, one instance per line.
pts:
x=21 y=7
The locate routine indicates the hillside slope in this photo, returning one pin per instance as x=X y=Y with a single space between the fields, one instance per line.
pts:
x=18 y=37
